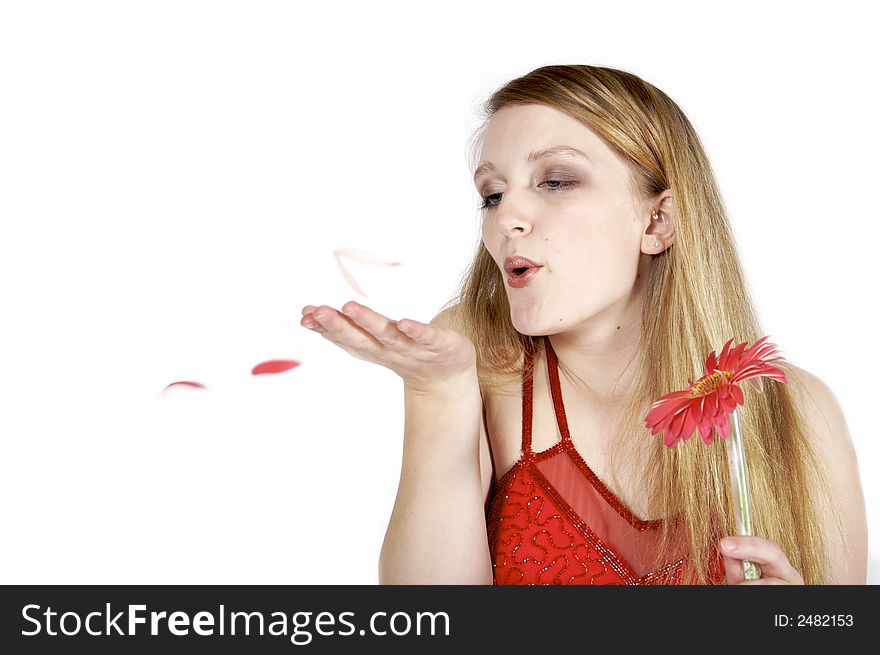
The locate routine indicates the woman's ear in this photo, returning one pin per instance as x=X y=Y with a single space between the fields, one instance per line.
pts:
x=660 y=232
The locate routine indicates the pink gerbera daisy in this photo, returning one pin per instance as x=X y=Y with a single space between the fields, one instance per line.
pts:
x=710 y=401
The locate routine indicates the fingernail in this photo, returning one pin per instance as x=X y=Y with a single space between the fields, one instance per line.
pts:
x=728 y=545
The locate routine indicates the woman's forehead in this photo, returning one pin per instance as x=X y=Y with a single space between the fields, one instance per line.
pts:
x=527 y=129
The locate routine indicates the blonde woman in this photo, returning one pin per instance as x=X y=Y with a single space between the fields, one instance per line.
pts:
x=605 y=274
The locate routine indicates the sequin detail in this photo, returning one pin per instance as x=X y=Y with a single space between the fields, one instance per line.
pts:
x=537 y=537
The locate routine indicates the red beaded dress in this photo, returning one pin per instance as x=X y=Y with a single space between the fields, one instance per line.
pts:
x=550 y=519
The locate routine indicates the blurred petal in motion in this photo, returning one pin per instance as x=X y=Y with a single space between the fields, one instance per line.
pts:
x=274 y=366
x=361 y=257
x=186 y=384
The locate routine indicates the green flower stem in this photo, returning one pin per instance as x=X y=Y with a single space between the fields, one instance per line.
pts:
x=739 y=489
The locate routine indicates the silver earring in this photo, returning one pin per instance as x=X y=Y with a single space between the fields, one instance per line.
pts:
x=656 y=243
x=654 y=216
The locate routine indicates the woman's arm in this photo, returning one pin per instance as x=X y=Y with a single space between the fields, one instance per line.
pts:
x=437 y=531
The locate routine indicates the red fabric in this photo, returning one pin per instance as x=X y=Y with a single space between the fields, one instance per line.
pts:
x=550 y=519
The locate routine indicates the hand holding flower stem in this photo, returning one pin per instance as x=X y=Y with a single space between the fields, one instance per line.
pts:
x=709 y=405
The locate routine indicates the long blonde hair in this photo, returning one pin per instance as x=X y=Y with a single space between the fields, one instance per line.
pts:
x=695 y=300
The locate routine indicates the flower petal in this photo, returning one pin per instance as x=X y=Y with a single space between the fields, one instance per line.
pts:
x=706 y=432
x=712 y=405
x=761 y=350
x=670 y=439
x=186 y=383
x=348 y=277
x=734 y=357
x=663 y=410
x=678 y=423
x=363 y=257
x=711 y=362
x=737 y=394
x=358 y=256
x=698 y=408
x=728 y=403
x=687 y=430
x=274 y=366
x=664 y=425
x=723 y=356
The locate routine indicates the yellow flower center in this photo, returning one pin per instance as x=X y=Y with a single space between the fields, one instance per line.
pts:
x=709 y=383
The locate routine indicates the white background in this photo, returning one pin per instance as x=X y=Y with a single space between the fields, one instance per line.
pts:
x=174 y=178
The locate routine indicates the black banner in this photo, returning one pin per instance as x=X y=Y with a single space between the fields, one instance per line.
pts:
x=432 y=619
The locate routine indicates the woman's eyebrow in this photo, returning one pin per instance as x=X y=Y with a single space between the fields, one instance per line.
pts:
x=487 y=166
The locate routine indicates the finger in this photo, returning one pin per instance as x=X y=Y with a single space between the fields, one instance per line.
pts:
x=733 y=569
x=424 y=334
x=308 y=320
x=734 y=573
x=311 y=323
x=764 y=552
x=382 y=328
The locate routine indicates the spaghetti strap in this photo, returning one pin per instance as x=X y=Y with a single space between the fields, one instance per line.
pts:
x=556 y=391
x=528 y=394
x=527 y=385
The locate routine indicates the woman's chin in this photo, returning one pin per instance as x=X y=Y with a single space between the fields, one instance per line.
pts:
x=529 y=328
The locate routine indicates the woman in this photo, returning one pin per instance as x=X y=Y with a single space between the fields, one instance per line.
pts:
x=526 y=459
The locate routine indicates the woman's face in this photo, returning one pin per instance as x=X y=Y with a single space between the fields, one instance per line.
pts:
x=577 y=218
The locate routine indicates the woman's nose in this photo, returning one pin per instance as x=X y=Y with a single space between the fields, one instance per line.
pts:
x=512 y=215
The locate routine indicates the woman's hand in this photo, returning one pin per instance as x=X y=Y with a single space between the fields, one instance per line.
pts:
x=775 y=567
x=422 y=354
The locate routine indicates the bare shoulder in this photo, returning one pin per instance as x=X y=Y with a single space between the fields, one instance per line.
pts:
x=834 y=446
x=820 y=407
x=446 y=317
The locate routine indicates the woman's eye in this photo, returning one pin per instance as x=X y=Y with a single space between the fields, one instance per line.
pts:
x=486 y=204
x=562 y=184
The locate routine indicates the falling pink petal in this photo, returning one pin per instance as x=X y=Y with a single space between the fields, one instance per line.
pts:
x=361 y=257
x=274 y=366
x=349 y=278
x=186 y=383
